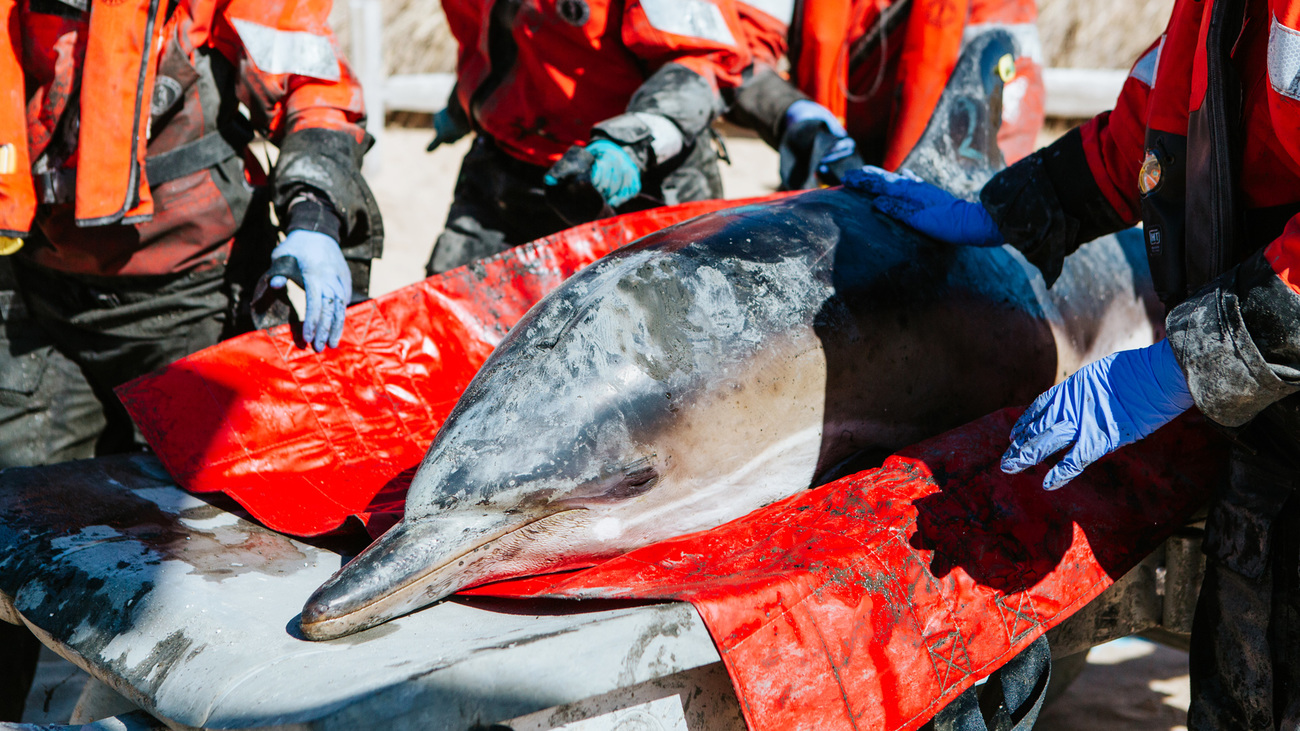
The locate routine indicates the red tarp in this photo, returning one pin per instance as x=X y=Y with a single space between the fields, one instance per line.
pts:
x=304 y=439
x=868 y=603
x=872 y=602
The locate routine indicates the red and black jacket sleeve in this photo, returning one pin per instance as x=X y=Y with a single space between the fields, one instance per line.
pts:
x=1080 y=187
x=303 y=96
x=1238 y=338
x=1084 y=185
x=693 y=65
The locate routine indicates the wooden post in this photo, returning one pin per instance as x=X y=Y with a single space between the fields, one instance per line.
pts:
x=368 y=64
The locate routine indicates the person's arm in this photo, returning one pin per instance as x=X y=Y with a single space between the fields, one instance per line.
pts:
x=695 y=48
x=303 y=96
x=663 y=121
x=813 y=143
x=1233 y=350
x=760 y=104
x=451 y=123
x=1080 y=187
x=1238 y=338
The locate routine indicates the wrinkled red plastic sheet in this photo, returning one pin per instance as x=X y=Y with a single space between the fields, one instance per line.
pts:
x=304 y=440
x=872 y=602
x=868 y=603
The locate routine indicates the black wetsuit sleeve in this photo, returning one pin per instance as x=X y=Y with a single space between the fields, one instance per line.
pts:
x=760 y=103
x=326 y=164
x=1048 y=205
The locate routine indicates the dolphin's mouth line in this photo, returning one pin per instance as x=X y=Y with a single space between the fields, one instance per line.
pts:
x=485 y=542
x=372 y=613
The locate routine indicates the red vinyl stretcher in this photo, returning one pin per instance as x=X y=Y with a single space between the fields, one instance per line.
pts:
x=872 y=602
x=868 y=603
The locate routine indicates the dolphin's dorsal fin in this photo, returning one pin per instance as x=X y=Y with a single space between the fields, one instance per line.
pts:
x=959 y=150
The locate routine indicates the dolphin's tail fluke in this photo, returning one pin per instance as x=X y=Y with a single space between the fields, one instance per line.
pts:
x=959 y=149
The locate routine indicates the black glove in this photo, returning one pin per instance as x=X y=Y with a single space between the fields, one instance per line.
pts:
x=571 y=191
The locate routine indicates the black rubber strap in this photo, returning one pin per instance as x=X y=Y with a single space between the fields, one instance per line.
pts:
x=201 y=154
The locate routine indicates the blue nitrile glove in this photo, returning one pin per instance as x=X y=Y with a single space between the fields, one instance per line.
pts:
x=1106 y=405
x=447 y=128
x=327 y=280
x=927 y=208
x=615 y=174
x=804 y=110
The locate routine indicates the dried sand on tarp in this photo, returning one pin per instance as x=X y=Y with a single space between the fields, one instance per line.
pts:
x=1076 y=33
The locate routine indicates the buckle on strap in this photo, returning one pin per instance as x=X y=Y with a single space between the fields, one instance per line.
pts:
x=56 y=186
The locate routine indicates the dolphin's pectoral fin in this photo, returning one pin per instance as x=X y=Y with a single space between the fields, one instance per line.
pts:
x=418 y=563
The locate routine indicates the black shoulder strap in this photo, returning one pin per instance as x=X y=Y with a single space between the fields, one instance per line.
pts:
x=1213 y=202
x=201 y=154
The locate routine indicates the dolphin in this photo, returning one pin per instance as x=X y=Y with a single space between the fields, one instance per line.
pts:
x=722 y=364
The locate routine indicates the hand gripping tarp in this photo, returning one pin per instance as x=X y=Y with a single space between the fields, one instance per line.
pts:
x=303 y=440
x=874 y=601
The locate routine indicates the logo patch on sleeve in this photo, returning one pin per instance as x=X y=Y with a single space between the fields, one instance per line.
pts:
x=1146 y=67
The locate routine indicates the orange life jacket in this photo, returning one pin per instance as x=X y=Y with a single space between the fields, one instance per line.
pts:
x=117 y=84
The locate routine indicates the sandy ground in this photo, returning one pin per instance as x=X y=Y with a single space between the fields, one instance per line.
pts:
x=1129 y=685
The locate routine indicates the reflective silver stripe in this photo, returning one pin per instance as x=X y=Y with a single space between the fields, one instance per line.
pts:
x=694 y=18
x=288 y=52
x=1146 y=67
x=666 y=139
x=782 y=10
x=1028 y=44
x=1284 y=60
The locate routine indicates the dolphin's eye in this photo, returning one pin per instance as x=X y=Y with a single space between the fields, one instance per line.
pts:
x=641 y=476
x=637 y=478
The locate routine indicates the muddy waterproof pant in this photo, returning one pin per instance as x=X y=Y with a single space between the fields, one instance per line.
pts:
x=65 y=342
x=500 y=202
x=1245 y=651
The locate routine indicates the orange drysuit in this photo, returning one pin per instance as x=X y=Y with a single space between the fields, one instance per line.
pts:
x=536 y=75
x=112 y=123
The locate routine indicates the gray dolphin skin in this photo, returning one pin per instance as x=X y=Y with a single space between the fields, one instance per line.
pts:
x=725 y=363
